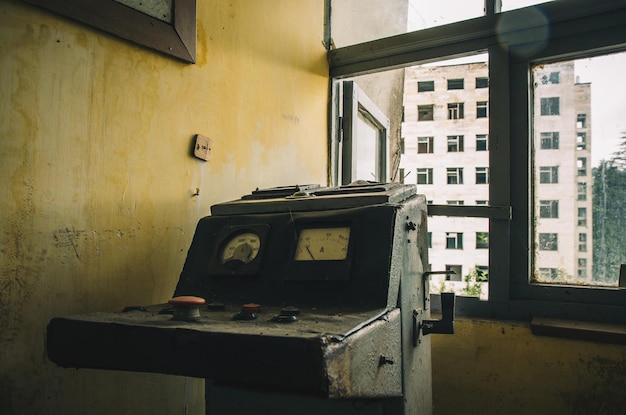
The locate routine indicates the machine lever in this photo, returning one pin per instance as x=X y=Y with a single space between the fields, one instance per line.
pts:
x=446 y=324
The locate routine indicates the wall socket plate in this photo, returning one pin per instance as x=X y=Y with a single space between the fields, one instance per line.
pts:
x=202 y=148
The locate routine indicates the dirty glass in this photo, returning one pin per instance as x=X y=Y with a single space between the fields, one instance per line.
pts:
x=579 y=134
x=447 y=156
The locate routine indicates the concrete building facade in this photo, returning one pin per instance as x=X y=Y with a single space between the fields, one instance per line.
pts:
x=445 y=151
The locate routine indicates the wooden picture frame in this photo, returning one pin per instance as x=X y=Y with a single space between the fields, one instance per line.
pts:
x=176 y=38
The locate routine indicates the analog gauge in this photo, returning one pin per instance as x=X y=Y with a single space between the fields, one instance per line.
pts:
x=322 y=244
x=242 y=247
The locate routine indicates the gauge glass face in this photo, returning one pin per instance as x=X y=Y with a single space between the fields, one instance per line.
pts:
x=323 y=244
x=242 y=247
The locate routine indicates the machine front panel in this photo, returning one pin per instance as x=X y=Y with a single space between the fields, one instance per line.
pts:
x=319 y=293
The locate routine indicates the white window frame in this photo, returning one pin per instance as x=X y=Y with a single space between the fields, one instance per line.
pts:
x=457 y=142
x=456 y=173
x=425 y=172
x=356 y=103
x=578 y=28
x=428 y=141
x=456 y=110
x=480 y=138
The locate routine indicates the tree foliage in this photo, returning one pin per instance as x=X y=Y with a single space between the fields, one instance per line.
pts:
x=609 y=216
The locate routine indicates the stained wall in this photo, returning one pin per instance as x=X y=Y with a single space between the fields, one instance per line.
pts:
x=97 y=181
x=500 y=367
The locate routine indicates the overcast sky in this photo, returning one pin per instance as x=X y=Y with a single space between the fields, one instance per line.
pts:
x=608 y=93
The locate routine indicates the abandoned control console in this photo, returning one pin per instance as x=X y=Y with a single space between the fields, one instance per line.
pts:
x=291 y=299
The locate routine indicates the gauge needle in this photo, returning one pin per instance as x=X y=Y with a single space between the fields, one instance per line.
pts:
x=310 y=253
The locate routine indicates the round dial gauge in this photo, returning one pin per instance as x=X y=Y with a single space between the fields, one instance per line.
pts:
x=243 y=247
x=323 y=244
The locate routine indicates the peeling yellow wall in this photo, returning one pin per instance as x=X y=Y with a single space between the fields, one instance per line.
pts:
x=495 y=368
x=96 y=179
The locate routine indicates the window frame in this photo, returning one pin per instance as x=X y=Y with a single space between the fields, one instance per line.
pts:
x=428 y=141
x=456 y=111
x=425 y=86
x=480 y=173
x=420 y=173
x=357 y=104
x=578 y=28
x=458 y=175
x=551 y=137
x=480 y=138
x=455 y=144
x=431 y=111
x=456 y=84
x=482 y=109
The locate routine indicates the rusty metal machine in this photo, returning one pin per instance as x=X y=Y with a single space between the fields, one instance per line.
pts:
x=296 y=299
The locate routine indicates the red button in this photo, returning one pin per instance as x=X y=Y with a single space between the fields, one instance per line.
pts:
x=251 y=308
x=187 y=301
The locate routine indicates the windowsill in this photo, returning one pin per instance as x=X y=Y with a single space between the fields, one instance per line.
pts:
x=580 y=330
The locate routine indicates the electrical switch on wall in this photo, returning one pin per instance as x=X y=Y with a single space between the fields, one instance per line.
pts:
x=202 y=148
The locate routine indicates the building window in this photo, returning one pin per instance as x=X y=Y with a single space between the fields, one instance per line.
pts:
x=582 y=267
x=481 y=109
x=457 y=273
x=425 y=86
x=548 y=241
x=401 y=175
x=552 y=78
x=424 y=176
x=548 y=273
x=582 y=191
x=581 y=141
x=582 y=242
x=549 y=209
x=455 y=111
x=482 y=273
x=402 y=145
x=455 y=143
x=482 y=175
x=550 y=140
x=581 y=121
x=482 y=142
x=425 y=112
x=581 y=164
x=455 y=202
x=482 y=240
x=582 y=34
x=455 y=175
x=549 y=174
x=582 y=216
x=430 y=239
x=455 y=83
x=454 y=240
x=550 y=106
x=425 y=145
x=482 y=82
x=482 y=202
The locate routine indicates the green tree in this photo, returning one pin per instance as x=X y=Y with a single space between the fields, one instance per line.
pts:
x=609 y=216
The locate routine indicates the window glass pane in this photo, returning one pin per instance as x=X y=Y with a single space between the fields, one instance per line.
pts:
x=424 y=14
x=365 y=20
x=518 y=4
x=470 y=260
x=579 y=130
x=367 y=150
x=455 y=168
x=425 y=86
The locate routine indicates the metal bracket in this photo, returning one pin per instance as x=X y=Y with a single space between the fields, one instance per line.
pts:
x=446 y=324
